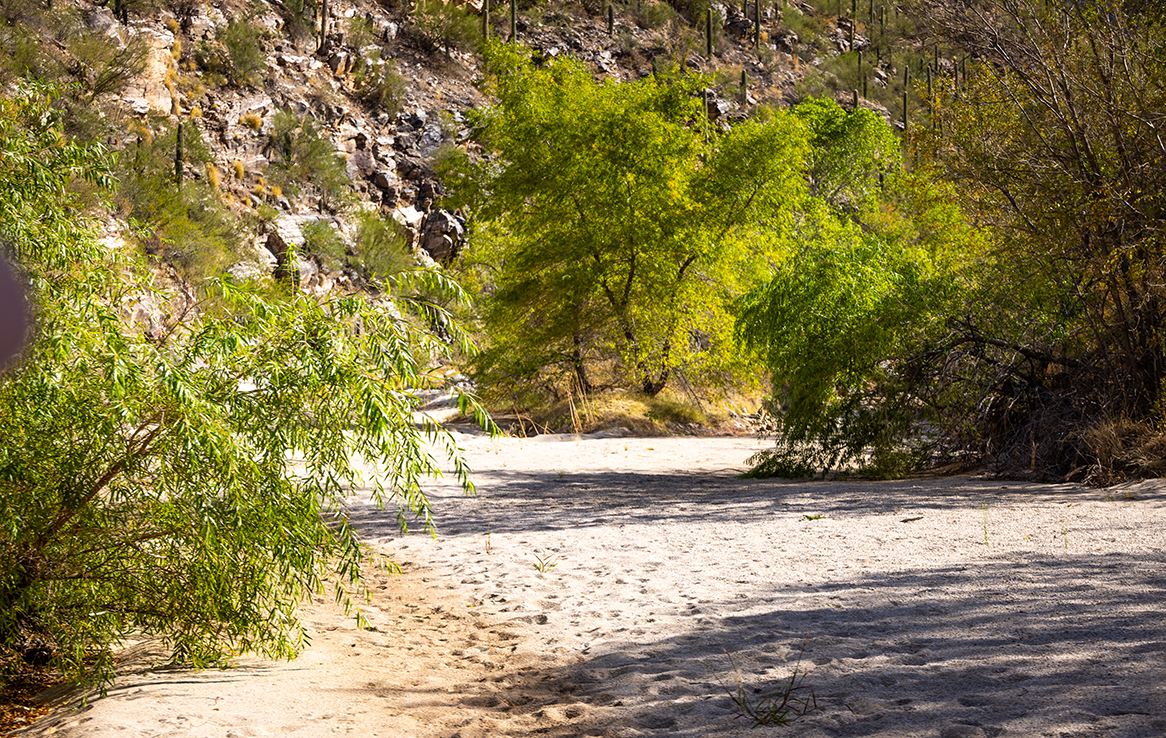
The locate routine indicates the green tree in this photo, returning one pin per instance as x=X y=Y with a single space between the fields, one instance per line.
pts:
x=303 y=157
x=613 y=229
x=851 y=311
x=185 y=475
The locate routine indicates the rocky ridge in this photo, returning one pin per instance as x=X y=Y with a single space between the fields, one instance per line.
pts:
x=389 y=153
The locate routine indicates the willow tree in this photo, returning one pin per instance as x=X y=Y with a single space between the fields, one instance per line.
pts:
x=847 y=315
x=613 y=227
x=185 y=475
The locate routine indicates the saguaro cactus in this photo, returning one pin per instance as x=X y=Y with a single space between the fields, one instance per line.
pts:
x=906 y=87
x=757 y=24
x=178 y=158
x=708 y=34
x=861 y=74
x=513 y=20
x=610 y=19
x=323 y=25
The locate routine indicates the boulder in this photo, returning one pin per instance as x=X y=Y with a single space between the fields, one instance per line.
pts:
x=285 y=270
x=442 y=234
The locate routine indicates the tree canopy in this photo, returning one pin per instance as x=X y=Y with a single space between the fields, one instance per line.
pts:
x=899 y=333
x=873 y=272
x=614 y=228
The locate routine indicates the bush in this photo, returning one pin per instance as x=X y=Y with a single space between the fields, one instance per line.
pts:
x=446 y=25
x=303 y=158
x=322 y=241
x=147 y=474
x=654 y=14
x=380 y=86
x=299 y=19
x=236 y=55
x=381 y=248
x=190 y=226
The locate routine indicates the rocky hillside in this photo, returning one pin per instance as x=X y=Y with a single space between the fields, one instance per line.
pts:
x=263 y=98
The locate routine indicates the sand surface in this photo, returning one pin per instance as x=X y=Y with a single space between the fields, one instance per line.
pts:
x=616 y=586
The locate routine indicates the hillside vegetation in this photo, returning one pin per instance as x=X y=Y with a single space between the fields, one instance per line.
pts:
x=930 y=233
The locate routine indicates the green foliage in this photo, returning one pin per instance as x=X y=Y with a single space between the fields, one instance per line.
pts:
x=305 y=159
x=299 y=19
x=611 y=232
x=322 y=241
x=380 y=85
x=185 y=476
x=850 y=154
x=654 y=14
x=236 y=54
x=381 y=249
x=56 y=46
x=105 y=68
x=1054 y=138
x=693 y=11
x=873 y=279
x=447 y=25
x=361 y=33
x=189 y=226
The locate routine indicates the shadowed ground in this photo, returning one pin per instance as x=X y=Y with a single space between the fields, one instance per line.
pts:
x=616 y=587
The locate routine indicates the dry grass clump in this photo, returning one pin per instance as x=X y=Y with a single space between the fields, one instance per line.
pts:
x=642 y=415
x=254 y=121
x=1123 y=449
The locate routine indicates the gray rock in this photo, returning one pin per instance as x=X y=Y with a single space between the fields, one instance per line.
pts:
x=442 y=235
x=717 y=108
x=285 y=270
x=384 y=179
x=199 y=27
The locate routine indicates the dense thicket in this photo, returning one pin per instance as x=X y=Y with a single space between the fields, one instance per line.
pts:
x=1055 y=141
x=878 y=263
x=184 y=474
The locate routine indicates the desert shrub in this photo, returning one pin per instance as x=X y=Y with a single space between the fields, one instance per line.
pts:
x=189 y=225
x=381 y=86
x=693 y=11
x=236 y=54
x=322 y=241
x=299 y=19
x=446 y=25
x=252 y=120
x=106 y=69
x=304 y=160
x=654 y=15
x=22 y=57
x=361 y=34
x=381 y=248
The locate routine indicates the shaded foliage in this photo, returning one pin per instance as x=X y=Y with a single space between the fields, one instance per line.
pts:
x=1054 y=142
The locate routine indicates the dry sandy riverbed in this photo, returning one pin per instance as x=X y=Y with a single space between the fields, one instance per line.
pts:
x=607 y=586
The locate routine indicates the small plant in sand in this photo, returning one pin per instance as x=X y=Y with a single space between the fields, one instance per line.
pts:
x=546 y=562
x=791 y=700
x=984 y=508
